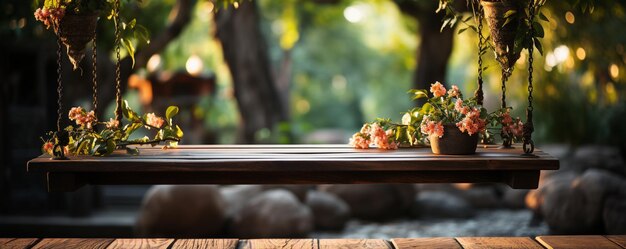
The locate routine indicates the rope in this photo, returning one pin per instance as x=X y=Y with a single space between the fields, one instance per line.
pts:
x=529 y=145
x=479 y=92
x=59 y=79
x=118 y=91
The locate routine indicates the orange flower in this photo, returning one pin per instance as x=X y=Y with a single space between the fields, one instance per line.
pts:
x=154 y=120
x=438 y=89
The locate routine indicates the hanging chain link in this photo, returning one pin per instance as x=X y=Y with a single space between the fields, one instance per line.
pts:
x=59 y=79
x=479 y=93
x=62 y=136
x=118 y=90
x=529 y=145
x=94 y=73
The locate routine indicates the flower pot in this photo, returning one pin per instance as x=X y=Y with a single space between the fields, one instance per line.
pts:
x=503 y=36
x=75 y=31
x=453 y=142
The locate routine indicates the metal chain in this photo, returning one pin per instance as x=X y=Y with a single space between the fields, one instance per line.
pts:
x=504 y=78
x=529 y=126
x=94 y=73
x=118 y=91
x=59 y=78
x=479 y=93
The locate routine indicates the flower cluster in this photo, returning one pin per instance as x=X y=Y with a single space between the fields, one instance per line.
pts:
x=82 y=118
x=154 y=120
x=472 y=123
x=432 y=128
x=510 y=127
x=49 y=16
x=374 y=134
x=438 y=89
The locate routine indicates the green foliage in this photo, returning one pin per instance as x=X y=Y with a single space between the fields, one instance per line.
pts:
x=85 y=140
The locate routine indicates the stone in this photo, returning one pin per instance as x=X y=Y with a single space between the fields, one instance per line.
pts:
x=514 y=198
x=329 y=212
x=299 y=191
x=375 y=201
x=615 y=214
x=273 y=213
x=440 y=204
x=182 y=211
x=598 y=157
x=236 y=196
x=482 y=196
x=576 y=206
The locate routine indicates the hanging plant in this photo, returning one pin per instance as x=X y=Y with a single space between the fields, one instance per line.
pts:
x=75 y=22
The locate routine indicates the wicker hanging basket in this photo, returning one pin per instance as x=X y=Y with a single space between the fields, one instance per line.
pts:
x=503 y=36
x=75 y=31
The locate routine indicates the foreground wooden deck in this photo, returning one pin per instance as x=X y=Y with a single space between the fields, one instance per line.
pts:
x=294 y=164
x=587 y=242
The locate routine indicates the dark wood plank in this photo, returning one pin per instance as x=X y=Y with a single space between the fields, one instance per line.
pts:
x=140 y=244
x=278 y=244
x=426 y=243
x=205 y=243
x=574 y=242
x=353 y=244
x=618 y=239
x=13 y=243
x=73 y=243
x=303 y=164
x=498 y=242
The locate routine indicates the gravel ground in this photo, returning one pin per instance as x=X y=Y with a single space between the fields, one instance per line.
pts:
x=501 y=222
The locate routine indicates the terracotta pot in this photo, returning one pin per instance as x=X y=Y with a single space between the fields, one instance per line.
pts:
x=75 y=32
x=453 y=142
x=503 y=36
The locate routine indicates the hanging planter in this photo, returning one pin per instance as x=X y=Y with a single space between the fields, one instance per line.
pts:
x=75 y=31
x=504 y=19
x=453 y=141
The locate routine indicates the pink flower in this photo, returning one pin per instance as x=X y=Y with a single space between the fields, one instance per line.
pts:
x=472 y=123
x=154 y=120
x=432 y=128
x=112 y=123
x=47 y=147
x=360 y=140
x=438 y=89
x=76 y=113
x=454 y=92
x=458 y=106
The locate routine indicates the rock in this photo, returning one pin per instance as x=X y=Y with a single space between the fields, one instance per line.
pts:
x=598 y=157
x=535 y=198
x=514 y=198
x=615 y=214
x=576 y=207
x=329 y=212
x=182 y=211
x=481 y=196
x=299 y=191
x=273 y=213
x=237 y=196
x=375 y=201
x=440 y=204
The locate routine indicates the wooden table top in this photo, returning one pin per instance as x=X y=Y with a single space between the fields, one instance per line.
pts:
x=296 y=164
x=557 y=242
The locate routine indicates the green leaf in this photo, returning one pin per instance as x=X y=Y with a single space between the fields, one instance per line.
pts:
x=538 y=46
x=543 y=17
x=130 y=48
x=461 y=31
x=419 y=94
x=538 y=30
x=510 y=13
x=171 y=112
x=132 y=151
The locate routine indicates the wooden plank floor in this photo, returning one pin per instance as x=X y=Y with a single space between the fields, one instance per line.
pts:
x=595 y=241
x=294 y=164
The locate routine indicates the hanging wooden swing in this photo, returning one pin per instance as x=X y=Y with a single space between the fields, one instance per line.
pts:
x=519 y=167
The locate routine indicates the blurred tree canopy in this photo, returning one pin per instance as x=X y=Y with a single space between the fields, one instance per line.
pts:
x=337 y=64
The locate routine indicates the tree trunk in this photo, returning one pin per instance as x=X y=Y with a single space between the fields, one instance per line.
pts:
x=434 y=51
x=245 y=53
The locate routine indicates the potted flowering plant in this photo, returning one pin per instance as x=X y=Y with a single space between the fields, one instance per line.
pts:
x=451 y=123
x=511 y=129
x=84 y=139
x=75 y=21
